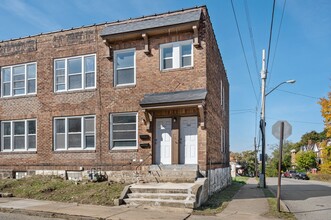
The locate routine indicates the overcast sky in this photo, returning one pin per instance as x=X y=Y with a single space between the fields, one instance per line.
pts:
x=302 y=52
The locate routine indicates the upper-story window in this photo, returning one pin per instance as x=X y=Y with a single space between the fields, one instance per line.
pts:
x=18 y=80
x=124 y=67
x=74 y=73
x=176 y=55
x=18 y=135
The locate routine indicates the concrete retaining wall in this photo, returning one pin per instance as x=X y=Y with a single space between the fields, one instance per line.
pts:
x=219 y=179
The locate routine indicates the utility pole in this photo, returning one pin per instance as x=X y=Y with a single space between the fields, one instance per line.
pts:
x=262 y=121
x=255 y=157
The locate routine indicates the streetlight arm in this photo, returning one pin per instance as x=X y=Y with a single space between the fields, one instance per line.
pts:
x=288 y=81
x=274 y=88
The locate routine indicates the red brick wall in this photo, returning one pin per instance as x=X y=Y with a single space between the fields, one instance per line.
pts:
x=216 y=116
x=102 y=101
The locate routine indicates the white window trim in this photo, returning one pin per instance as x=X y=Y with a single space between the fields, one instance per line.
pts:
x=25 y=80
x=83 y=144
x=26 y=135
x=176 y=56
x=116 y=52
x=66 y=75
x=111 y=131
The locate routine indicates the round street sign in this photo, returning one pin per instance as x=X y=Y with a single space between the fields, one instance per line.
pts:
x=276 y=129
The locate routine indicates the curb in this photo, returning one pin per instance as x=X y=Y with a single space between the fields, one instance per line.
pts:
x=285 y=207
x=49 y=214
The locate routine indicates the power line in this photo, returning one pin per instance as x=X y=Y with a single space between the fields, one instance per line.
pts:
x=280 y=25
x=252 y=39
x=299 y=94
x=242 y=46
x=244 y=112
x=246 y=109
x=270 y=35
x=303 y=122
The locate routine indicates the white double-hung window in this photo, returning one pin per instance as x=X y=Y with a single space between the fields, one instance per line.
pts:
x=125 y=67
x=19 y=135
x=18 y=80
x=176 y=55
x=123 y=131
x=74 y=133
x=74 y=73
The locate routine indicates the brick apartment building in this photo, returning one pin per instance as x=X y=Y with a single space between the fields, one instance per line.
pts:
x=117 y=97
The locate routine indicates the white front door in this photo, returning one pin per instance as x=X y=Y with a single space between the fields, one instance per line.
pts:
x=188 y=140
x=163 y=141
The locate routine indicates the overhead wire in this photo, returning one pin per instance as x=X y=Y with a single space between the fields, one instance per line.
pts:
x=280 y=26
x=250 y=29
x=242 y=46
x=299 y=94
x=270 y=35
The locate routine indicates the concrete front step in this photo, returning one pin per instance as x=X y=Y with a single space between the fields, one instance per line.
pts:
x=175 y=167
x=164 y=196
x=162 y=188
x=179 y=173
x=160 y=202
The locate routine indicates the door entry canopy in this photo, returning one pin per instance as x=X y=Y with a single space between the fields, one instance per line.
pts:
x=187 y=98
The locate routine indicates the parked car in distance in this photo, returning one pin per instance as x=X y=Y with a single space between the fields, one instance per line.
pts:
x=302 y=176
x=290 y=174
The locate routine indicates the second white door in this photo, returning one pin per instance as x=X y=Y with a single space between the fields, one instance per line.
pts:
x=188 y=140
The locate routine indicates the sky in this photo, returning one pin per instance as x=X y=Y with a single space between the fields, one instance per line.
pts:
x=299 y=49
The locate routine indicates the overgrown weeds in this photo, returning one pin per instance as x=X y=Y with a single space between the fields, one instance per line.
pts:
x=56 y=189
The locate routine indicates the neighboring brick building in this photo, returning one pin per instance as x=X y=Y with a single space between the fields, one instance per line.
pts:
x=117 y=97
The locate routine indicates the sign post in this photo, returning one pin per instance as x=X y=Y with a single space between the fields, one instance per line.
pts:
x=281 y=130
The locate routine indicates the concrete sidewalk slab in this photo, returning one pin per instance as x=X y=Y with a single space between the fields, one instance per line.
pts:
x=82 y=211
x=248 y=203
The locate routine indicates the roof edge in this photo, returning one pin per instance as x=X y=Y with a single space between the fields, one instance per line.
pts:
x=102 y=23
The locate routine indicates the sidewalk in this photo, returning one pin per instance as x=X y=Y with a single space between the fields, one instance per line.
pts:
x=74 y=211
x=249 y=203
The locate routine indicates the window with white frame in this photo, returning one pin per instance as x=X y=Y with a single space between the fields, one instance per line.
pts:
x=18 y=80
x=124 y=67
x=19 y=135
x=74 y=133
x=123 y=128
x=74 y=73
x=176 y=55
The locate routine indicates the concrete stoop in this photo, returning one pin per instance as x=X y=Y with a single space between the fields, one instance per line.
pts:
x=171 y=173
x=162 y=194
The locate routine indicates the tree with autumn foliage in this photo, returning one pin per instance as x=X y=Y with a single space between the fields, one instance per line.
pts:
x=326 y=113
x=325 y=167
x=325 y=103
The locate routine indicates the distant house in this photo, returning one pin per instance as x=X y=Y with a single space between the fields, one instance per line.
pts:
x=126 y=97
x=316 y=148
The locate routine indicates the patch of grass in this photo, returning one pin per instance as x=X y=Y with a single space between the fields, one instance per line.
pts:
x=273 y=212
x=219 y=201
x=56 y=189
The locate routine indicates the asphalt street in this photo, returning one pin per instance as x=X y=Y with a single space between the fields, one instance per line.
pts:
x=15 y=216
x=307 y=199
